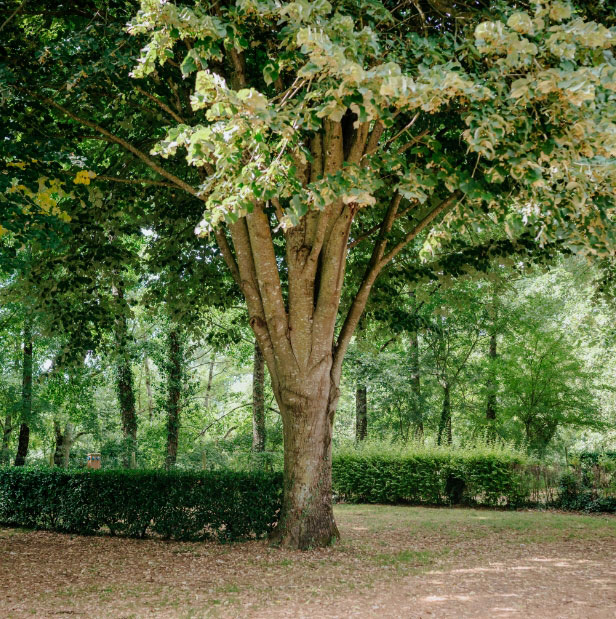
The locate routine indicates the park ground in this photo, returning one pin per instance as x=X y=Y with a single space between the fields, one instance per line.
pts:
x=391 y=562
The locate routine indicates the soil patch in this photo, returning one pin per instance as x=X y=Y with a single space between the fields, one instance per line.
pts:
x=392 y=562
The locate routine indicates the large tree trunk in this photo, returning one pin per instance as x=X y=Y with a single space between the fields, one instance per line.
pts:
x=26 y=397
x=444 y=426
x=361 y=412
x=258 y=401
x=125 y=386
x=307 y=407
x=174 y=396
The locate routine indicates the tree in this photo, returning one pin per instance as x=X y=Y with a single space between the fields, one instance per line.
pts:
x=258 y=401
x=26 y=396
x=309 y=155
x=175 y=373
x=315 y=128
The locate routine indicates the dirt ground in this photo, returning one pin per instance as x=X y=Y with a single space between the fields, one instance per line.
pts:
x=391 y=562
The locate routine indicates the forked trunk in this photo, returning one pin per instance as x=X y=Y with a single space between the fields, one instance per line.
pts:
x=64 y=443
x=307 y=518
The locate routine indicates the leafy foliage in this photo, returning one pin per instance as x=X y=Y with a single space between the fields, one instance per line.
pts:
x=430 y=477
x=185 y=506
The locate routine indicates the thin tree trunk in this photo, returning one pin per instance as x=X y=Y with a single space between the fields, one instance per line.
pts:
x=491 y=383
x=7 y=428
x=416 y=386
x=148 y=386
x=174 y=395
x=26 y=398
x=125 y=386
x=491 y=386
x=210 y=380
x=258 y=401
x=23 y=443
x=444 y=426
x=361 y=413
x=58 y=453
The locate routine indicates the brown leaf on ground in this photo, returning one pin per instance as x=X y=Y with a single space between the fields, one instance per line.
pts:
x=392 y=562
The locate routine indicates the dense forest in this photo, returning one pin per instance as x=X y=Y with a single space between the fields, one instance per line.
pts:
x=515 y=356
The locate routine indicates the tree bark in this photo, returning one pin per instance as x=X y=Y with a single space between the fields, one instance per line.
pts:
x=26 y=397
x=148 y=387
x=416 y=386
x=59 y=450
x=361 y=413
x=7 y=428
x=491 y=386
x=258 y=401
x=210 y=380
x=22 y=444
x=307 y=407
x=174 y=396
x=125 y=386
x=444 y=426
x=296 y=331
x=64 y=443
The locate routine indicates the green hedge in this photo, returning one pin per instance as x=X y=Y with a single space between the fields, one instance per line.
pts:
x=430 y=477
x=175 y=505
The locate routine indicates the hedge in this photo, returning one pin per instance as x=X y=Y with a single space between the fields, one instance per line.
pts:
x=174 y=505
x=230 y=505
x=431 y=477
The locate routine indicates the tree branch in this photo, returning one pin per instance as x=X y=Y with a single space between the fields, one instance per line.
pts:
x=8 y=19
x=361 y=298
x=445 y=205
x=121 y=142
x=227 y=254
x=376 y=228
x=136 y=181
x=268 y=282
x=161 y=104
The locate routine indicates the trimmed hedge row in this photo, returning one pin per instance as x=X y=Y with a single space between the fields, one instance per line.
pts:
x=230 y=505
x=436 y=477
x=175 y=505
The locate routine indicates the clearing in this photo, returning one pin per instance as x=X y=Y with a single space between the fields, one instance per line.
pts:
x=392 y=562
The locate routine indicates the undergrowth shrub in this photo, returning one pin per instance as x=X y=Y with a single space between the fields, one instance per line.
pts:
x=224 y=505
x=589 y=484
x=378 y=474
